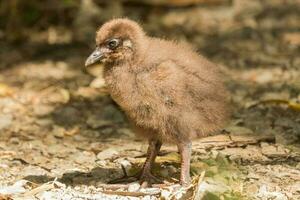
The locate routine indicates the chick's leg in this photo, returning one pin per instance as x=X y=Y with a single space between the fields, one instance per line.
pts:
x=146 y=176
x=185 y=150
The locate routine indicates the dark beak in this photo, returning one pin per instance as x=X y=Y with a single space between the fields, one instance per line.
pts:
x=96 y=56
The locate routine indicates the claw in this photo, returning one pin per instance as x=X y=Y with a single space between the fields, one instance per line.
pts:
x=147 y=179
x=125 y=178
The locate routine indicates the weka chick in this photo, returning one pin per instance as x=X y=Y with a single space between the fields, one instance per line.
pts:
x=167 y=90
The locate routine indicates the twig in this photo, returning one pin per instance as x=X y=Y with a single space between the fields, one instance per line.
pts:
x=126 y=193
x=181 y=190
x=198 y=195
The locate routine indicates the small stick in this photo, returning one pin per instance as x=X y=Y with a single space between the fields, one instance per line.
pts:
x=126 y=193
x=198 y=195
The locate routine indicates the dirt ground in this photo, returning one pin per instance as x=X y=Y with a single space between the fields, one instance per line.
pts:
x=62 y=137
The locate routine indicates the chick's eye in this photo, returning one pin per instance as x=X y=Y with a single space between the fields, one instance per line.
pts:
x=113 y=43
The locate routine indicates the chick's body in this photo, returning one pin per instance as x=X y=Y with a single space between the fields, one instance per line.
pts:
x=168 y=91
x=172 y=92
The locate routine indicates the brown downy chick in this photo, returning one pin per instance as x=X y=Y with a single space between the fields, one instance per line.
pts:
x=168 y=91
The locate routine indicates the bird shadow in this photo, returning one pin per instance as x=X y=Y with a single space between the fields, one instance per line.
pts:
x=97 y=175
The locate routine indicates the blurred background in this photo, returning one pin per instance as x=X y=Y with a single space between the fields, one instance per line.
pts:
x=51 y=108
x=256 y=43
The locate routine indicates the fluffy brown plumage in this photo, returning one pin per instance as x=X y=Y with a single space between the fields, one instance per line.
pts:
x=167 y=90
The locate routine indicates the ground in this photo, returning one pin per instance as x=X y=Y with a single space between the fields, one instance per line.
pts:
x=62 y=137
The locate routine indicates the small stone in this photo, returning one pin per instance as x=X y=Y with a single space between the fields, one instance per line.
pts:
x=5 y=120
x=67 y=116
x=42 y=110
x=271 y=150
x=126 y=164
x=50 y=139
x=295 y=188
x=165 y=194
x=107 y=131
x=164 y=172
x=76 y=188
x=214 y=154
x=96 y=147
x=58 y=131
x=252 y=175
x=107 y=154
x=33 y=171
x=84 y=157
x=96 y=122
x=4 y=166
x=148 y=197
x=102 y=163
x=47 y=195
x=264 y=193
x=18 y=187
x=133 y=187
x=172 y=169
x=44 y=122
x=252 y=189
x=213 y=186
x=79 y=138
x=298 y=166
x=14 y=140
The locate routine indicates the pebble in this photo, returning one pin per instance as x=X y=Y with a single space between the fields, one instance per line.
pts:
x=107 y=153
x=96 y=122
x=14 y=140
x=17 y=187
x=33 y=171
x=84 y=157
x=5 y=120
x=42 y=110
x=67 y=116
x=125 y=163
x=133 y=187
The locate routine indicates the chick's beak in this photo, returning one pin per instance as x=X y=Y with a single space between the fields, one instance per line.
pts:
x=96 y=56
